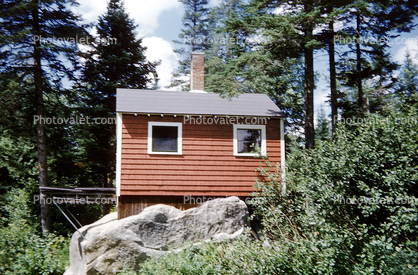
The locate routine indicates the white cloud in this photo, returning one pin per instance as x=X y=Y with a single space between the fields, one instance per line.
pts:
x=410 y=44
x=160 y=49
x=286 y=8
x=90 y=10
x=146 y=13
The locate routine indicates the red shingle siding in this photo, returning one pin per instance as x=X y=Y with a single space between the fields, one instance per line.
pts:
x=207 y=166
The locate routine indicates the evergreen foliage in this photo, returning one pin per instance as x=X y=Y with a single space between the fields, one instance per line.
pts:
x=322 y=129
x=249 y=61
x=266 y=48
x=406 y=90
x=36 y=51
x=193 y=37
x=117 y=60
x=370 y=25
x=351 y=203
x=279 y=31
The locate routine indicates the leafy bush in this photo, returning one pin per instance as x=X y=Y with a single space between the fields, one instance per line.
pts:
x=23 y=250
x=350 y=208
x=358 y=195
x=242 y=256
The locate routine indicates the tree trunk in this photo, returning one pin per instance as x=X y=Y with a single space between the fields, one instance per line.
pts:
x=107 y=180
x=359 y=83
x=40 y=127
x=332 y=75
x=309 y=84
x=309 y=100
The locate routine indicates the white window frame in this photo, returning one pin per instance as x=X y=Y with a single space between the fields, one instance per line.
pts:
x=179 y=137
x=263 y=139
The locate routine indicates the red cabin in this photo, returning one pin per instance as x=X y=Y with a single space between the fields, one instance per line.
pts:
x=184 y=148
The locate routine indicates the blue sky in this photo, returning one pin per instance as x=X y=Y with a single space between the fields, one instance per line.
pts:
x=159 y=22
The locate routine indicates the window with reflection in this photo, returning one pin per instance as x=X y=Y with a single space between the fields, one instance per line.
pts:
x=249 y=140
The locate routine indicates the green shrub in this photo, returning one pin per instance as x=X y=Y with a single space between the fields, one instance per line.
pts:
x=357 y=195
x=23 y=250
x=350 y=208
x=245 y=256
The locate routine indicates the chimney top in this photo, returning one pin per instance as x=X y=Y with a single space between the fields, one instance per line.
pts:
x=197 y=72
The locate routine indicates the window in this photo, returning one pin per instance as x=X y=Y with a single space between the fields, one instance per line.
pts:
x=164 y=138
x=249 y=137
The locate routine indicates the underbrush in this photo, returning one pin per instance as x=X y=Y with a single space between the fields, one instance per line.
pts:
x=245 y=256
x=350 y=207
x=23 y=249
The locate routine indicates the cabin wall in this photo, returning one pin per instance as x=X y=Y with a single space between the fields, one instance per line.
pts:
x=132 y=205
x=207 y=166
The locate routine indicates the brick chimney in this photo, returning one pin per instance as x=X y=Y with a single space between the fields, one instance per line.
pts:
x=197 y=71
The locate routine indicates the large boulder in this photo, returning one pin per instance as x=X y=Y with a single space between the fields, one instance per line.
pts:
x=105 y=246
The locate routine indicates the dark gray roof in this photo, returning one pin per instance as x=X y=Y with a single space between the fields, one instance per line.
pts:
x=187 y=103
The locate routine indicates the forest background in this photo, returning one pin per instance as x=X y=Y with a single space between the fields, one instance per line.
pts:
x=54 y=65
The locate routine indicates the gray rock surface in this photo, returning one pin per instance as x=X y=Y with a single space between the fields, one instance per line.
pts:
x=108 y=244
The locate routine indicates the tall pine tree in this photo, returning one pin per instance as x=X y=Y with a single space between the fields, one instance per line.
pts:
x=366 y=69
x=247 y=62
x=333 y=9
x=38 y=50
x=282 y=32
x=117 y=60
x=322 y=129
x=406 y=90
x=193 y=37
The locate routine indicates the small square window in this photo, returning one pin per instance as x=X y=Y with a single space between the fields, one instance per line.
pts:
x=164 y=138
x=249 y=138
